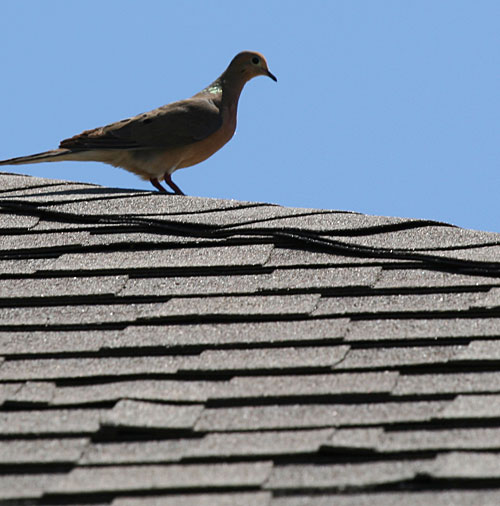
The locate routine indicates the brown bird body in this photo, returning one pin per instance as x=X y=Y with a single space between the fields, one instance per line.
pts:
x=155 y=144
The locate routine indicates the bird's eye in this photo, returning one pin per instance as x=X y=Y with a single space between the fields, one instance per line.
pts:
x=255 y=60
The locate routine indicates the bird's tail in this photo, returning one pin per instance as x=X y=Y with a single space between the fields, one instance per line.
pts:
x=55 y=155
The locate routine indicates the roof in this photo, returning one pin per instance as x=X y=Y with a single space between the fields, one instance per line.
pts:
x=165 y=350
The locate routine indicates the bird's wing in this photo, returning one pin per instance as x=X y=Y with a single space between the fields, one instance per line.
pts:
x=173 y=125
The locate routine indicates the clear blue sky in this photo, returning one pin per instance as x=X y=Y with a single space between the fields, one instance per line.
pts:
x=387 y=107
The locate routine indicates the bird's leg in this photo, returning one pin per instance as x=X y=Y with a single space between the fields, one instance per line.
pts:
x=168 y=180
x=157 y=185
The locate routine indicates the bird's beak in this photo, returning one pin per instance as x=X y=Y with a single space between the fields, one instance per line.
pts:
x=272 y=76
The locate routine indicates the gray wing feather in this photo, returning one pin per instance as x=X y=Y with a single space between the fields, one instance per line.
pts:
x=173 y=125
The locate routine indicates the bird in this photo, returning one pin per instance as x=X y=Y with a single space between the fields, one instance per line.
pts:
x=180 y=134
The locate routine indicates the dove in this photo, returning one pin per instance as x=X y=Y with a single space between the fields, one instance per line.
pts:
x=181 y=134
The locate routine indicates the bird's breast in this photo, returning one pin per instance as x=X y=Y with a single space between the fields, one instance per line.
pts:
x=201 y=150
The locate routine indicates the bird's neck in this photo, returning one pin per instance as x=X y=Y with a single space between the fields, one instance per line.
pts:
x=228 y=86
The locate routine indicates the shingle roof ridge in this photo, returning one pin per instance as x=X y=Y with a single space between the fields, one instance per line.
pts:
x=296 y=238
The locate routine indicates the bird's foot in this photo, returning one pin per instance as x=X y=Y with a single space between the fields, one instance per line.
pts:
x=157 y=185
x=168 y=180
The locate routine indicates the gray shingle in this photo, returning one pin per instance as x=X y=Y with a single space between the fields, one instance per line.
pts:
x=221 y=445
x=31 y=451
x=317 y=415
x=16 y=222
x=318 y=384
x=369 y=439
x=225 y=333
x=260 y=443
x=325 y=278
x=394 y=357
x=192 y=285
x=66 y=192
x=11 y=182
x=252 y=283
x=297 y=302
x=217 y=256
x=376 y=439
x=164 y=451
x=36 y=392
x=467 y=465
x=47 y=241
x=434 y=498
x=483 y=351
x=425 y=237
x=243 y=305
x=473 y=406
x=149 y=415
x=479 y=254
x=154 y=477
x=81 y=314
x=326 y=222
x=8 y=390
x=25 y=265
x=281 y=257
x=248 y=215
x=378 y=330
x=136 y=239
x=57 y=421
x=300 y=477
x=228 y=499
x=413 y=278
x=467 y=382
x=146 y=203
x=398 y=303
x=43 y=341
x=68 y=226
x=154 y=390
x=23 y=486
x=492 y=299
x=268 y=358
x=52 y=368
x=60 y=287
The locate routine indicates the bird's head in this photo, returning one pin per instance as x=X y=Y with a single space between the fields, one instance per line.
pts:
x=249 y=64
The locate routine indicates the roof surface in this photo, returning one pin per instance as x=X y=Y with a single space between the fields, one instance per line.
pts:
x=164 y=350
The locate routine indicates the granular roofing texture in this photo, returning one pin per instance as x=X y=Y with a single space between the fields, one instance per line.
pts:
x=166 y=350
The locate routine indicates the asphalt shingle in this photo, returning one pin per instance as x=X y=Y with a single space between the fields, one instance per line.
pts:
x=317 y=415
x=340 y=476
x=436 y=498
x=223 y=256
x=306 y=385
x=157 y=349
x=31 y=451
x=53 y=368
x=388 y=357
x=45 y=243
x=448 y=383
x=57 y=421
x=268 y=358
x=83 y=480
x=424 y=278
x=227 y=499
x=149 y=415
x=260 y=443
x=380 y=440
x=16 y=222
x=244 y=305
x=225 y=333
x=423 y=328
x=399 y=303
x=140 y=389
x=23 y=487
x=161 y=452
x=60 y=287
